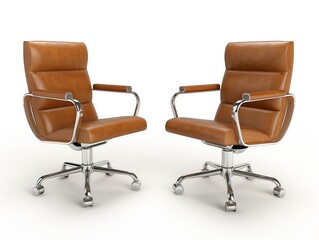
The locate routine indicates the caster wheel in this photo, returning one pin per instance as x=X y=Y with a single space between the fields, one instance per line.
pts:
x=205 y=170
x=230 y=206
x=110 y=167
x=279 y=192
x=136 y=185
x=178 y=189
x=37 y=190
x=88 y=202
x=249 y=178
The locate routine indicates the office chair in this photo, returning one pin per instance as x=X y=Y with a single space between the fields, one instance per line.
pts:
x=59 y=109
x=255 y=109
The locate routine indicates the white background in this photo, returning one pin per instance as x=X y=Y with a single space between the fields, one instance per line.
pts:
x=156 y=46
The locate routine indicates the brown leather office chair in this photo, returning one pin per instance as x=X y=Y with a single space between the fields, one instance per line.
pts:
x=59 y=109
x=255 y=109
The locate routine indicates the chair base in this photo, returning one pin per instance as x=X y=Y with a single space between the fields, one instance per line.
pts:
x=227 y=170
x=87 y=168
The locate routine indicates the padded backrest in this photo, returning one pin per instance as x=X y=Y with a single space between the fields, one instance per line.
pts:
x=253 y=67
x=57 y=67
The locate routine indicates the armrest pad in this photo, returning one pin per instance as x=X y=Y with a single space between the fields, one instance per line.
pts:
x=51 y=94
x=112 y=88
x=263 y=95
x=199 y=88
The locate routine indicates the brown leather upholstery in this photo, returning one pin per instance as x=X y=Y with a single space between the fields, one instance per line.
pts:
x=112 y=88
x=250 y=67
x=199 y=88
x=62 y=67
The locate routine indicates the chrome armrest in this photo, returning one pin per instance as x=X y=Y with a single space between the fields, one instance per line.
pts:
x=57 y=96
x=263 y=96
x=121 y=89
x=192 y=89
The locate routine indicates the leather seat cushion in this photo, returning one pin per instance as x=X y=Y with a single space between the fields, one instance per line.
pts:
x=219 y=133
x=101 y=129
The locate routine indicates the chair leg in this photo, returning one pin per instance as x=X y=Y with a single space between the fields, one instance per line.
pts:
x=179 y=189
x=230 y=205
x=209 y=163
x=278 y=190
x=65 y=164
x=101 y=163
x=244 y=165
x=136 y=184
x=68 y=164
x=87 y=200
x=39 y=189
x=104 y=162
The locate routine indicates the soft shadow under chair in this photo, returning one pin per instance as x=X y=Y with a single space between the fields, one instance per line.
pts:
x=59 y=109
x=255 y=109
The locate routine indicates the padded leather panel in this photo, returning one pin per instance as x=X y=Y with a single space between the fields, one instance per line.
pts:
x=57 y=118
x=256 y=118
x=235 y=83
x=265 y=56
x=62 y=56
x=77 y=82
x=220 y=133
x=101 y=129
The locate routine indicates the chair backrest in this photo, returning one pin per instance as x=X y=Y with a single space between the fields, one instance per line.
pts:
x=57 y=67
x=253 y=67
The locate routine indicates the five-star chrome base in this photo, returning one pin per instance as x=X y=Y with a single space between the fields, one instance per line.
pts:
x=87 y=168
x=226 y=169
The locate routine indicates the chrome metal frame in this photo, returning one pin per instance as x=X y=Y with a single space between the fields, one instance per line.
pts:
x=181 y=91
x=138 y=101
x=226 y=169
x=78 y=109
x=236 y=109
x=173 y=105
x=87 y=167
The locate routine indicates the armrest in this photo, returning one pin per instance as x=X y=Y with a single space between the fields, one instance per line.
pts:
x=112 y=88
x=263 y=96
x=58 y=96
x=199 y=88
x=192 y=89
x=121 y=89
x=51 y=94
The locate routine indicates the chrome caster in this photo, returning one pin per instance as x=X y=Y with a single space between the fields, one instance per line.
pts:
x=178 y=188
x=136 y=185
x=110 y=167
x=88 y=202
x=279 y=192
x=37 y=190
x=249 y=178
x=230 y=206
x=205 y=170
